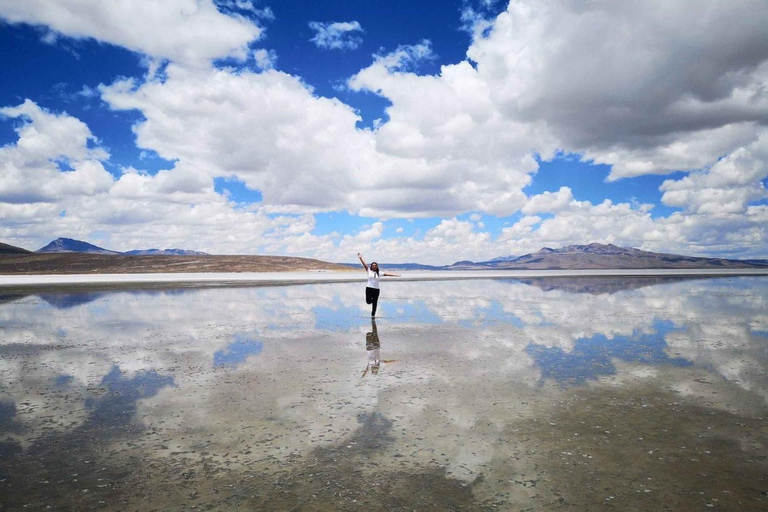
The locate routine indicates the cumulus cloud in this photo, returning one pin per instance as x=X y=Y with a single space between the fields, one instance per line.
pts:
x=304 y=153
x=626 y=83
x=450 y=122
x=31 y=167
x=337 y=35
x=264 y=13
x=643 y=87
x=606 y=222
x=265 y=59
x=174 y=207
x=727 y=187
x=549 y=201
x=192 y=32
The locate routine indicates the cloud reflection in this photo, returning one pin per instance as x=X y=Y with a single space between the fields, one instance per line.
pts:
x=164 y=354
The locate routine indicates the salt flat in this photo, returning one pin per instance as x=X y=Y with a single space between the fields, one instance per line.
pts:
x=331 y=276
x=499 y=394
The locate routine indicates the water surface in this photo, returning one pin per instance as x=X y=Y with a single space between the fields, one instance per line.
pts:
x=559 y=393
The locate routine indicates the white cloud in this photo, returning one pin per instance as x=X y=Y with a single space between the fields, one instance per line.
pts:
x=726 y=187
x=192 y=32
x=639 y=85
x=265 y=59
x=179 y=207
x=581 y=221
x=449 y=121
x=549 y=201
x=268 y=129
x=264 y=13
x=338 y=35
x=176 y=207
x=30 y=172
x=305 y=154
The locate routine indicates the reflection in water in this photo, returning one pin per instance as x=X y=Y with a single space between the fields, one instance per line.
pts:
x=65 y=301
x=62 y=381
x=237 y=352
x=118 y=406
x=509 y=394
x=7 y=411
x=597 y=285
x=592 y=357
x=373 y=347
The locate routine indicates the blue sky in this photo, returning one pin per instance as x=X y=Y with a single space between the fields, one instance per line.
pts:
x=429 y=131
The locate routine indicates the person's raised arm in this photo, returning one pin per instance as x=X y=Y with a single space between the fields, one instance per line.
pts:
x=360 y=256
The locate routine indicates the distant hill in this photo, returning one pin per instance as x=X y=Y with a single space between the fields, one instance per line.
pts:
x=82 y=263
x=69 y=245
x=584 y=257
x=11 y=249
x=398 y=266
x=602 y=256
x=61 y=245
x=164 y=252
x=503 y=258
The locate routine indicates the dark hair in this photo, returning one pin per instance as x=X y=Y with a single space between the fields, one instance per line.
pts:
x=377 y=268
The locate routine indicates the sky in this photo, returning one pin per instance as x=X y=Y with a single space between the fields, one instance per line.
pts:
x=425 y=132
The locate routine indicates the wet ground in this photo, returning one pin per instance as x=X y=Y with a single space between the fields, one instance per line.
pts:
x=557 y=394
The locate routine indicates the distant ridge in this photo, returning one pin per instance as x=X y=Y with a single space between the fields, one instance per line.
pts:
x=61 y=245
x=603 y=256
x=70 y=245
x=586 y=257
x=12 y=249
x=165 y=252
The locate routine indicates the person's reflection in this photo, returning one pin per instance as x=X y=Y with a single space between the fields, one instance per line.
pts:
x=373 y=346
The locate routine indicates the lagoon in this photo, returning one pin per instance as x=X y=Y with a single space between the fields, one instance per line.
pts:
x=646 y=393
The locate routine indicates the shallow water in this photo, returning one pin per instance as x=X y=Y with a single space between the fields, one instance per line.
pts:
x=536 y=394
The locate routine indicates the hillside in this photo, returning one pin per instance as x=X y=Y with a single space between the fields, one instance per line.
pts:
x=80 y=263
x=63 y=245
x=12 y=249
x=600 y=256
x=164 y=252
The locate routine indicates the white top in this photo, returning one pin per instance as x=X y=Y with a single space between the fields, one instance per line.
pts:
x=373 y=279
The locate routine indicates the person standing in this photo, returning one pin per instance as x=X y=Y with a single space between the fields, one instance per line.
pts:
x=372 y=289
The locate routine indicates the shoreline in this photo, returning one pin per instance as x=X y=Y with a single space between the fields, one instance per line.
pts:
x=315 y=277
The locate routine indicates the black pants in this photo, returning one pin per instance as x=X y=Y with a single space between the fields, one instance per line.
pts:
x=372 y=297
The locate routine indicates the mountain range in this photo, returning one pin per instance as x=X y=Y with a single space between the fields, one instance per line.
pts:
x=61 y=245
x=600 y=256
x=592 y=256
x=165 y=252
x=69 y=245
x=572 y=257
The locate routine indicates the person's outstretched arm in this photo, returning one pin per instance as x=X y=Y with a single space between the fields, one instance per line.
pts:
x=390 y=275
x=360 y=255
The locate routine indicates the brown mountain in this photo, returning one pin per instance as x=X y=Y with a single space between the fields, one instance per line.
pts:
x=83 y=263
x=601 y=256
x=12 y=249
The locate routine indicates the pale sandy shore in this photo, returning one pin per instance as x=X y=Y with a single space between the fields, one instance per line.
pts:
x=267 y=278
